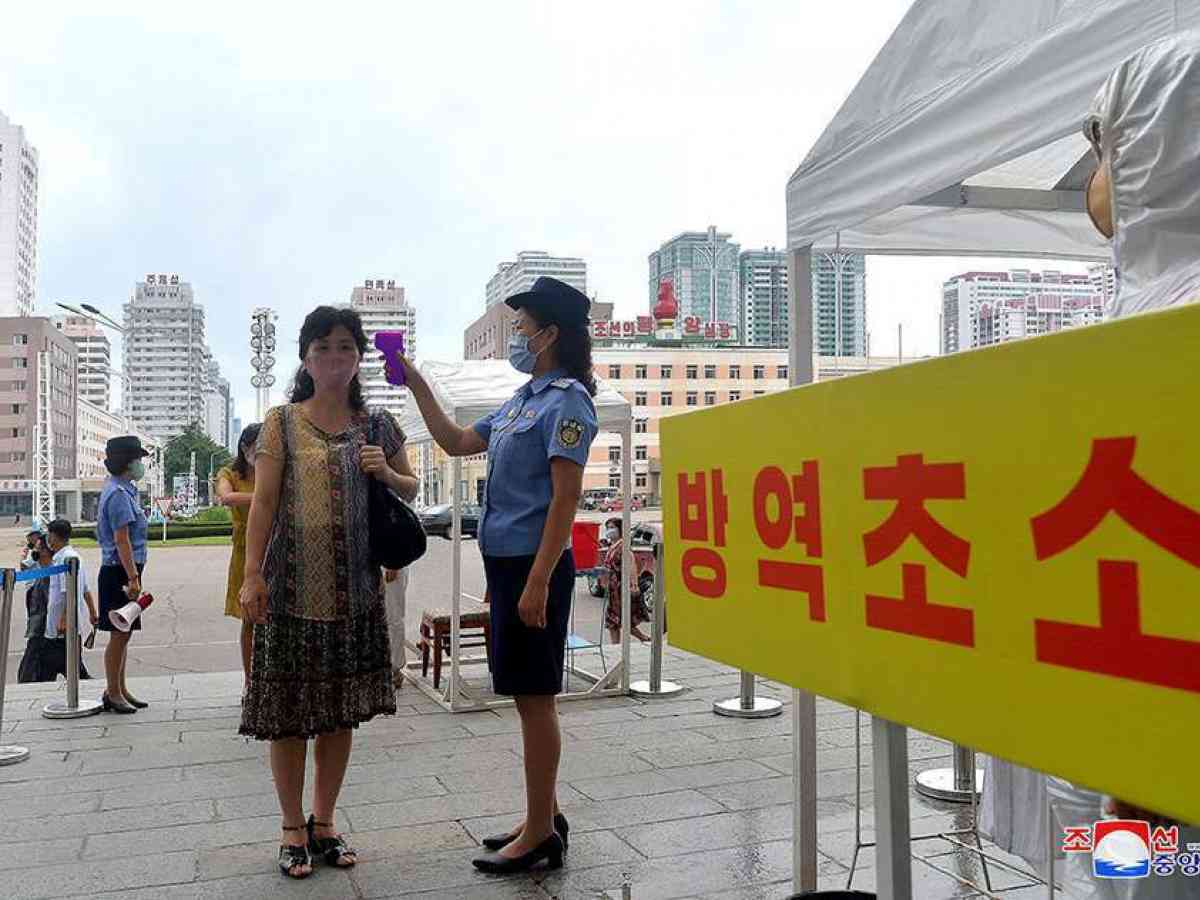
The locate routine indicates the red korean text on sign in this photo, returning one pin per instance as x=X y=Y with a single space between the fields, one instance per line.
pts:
x=1118 y=646
x=703 y=515
x=910 y=483
x=796 y=502
x=645 y=325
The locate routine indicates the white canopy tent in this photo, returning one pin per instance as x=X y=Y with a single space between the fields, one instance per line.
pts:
x=962 y=138
x=468 y=391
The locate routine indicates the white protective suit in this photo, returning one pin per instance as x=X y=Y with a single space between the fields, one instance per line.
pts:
x=1147 y=119
x=1148 y=113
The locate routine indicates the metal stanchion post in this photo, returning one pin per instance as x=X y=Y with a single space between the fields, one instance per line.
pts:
x=8 y=754
x=953 y=784
x=72 y=709
x=656 y=687
x=746 y=705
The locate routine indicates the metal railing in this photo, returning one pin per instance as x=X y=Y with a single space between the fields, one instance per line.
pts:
x=9 y=754
x=655 y=686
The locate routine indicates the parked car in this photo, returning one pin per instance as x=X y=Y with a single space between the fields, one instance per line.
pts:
x=437 y=520
x=616 y=504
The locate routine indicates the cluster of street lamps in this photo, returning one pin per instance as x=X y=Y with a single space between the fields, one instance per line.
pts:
x=262 y=343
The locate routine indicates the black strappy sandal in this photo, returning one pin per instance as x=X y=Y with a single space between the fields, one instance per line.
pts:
x=292 y=856
x=331 y=849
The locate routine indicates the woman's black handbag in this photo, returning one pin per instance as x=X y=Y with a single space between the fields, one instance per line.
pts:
x=397 y=538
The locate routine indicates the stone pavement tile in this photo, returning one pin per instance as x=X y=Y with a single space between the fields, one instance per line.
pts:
x=199 y=836
x=637 y=739
x=193 y=729
x=323 y=884
x=261 y=800
x=86 y=878
x=124 y=797
x=40 y=767
x=38 y=853
x=165 y=756
x=684 y=705
x=672 y=755
x=443 y=808
x=659 y=725
x=34 y=805
x=728 y=729
x=450 y=872
x=101 y=823
x=666 y=780
x=715 y=832
x=603 y=815
x=747 y=794
x=438 y=762
x=770 y=891
x=503 y=889
x=592 y=763
x=681 y=876
x=76 y=784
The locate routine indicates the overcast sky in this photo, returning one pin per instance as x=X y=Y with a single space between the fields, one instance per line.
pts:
x=276 y=158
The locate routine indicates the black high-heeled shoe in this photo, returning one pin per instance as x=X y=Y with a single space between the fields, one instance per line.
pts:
x=111 y=705
x=136 y=703
x=549 y=851
x=500 y=841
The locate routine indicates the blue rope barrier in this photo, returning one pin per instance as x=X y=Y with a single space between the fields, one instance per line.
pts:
x=39 y=574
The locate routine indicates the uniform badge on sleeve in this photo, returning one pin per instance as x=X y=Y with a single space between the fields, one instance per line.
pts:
x=570 y=433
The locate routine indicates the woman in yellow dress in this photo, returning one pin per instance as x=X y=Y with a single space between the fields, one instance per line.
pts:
x=235 y=489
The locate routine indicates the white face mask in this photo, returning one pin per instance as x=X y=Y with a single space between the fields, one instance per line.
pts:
x=612 y=534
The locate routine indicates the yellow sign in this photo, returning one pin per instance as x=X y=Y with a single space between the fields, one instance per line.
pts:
x=1000 y=547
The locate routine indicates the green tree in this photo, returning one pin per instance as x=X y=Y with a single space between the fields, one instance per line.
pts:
x=177 y=459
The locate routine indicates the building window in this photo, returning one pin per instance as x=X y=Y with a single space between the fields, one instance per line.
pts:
x=664 y=398
x=639 y=452
x=639 y=425
x=20 y=362
x=639 y=399
x=734 y=396
x=614 y=480
x=20 y=340
x=760 y=372
x=16 y=409
x=614 y=372
x=759 y=393
x=639 y=480
x=692 y=399
x=693 y=372
x=735 y=372
x=781 y=372
x=639 y=371
x=710 y=398
x=710 y=372
x=664 y=371
x=614 y=454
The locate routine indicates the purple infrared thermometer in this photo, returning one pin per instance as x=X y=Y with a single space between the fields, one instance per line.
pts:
x=391 y=345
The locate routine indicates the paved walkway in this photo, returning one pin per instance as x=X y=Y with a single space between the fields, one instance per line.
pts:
x=663 y=797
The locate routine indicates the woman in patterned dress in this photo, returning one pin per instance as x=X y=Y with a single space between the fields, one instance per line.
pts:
x=320 y=663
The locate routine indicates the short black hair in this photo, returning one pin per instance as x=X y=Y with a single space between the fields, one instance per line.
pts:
x=60 y=528
x=318 y=324
x=32 y=532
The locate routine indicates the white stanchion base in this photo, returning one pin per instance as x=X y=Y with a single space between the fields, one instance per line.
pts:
x=10 y=755
x=666 y=689
x=939 y=784
x=58 y=709
x=764 y=708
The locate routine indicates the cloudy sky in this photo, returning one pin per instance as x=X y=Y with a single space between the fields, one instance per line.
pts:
x=276 y=157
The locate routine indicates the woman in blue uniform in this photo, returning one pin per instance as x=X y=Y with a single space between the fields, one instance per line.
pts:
x=537 y=445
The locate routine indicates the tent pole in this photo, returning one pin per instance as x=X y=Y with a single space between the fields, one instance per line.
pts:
x=626 y=550
x=455 y=579
x=804 y=704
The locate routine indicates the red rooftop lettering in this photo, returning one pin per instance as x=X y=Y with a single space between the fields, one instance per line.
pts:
x=911 y=482
x=1118 y=647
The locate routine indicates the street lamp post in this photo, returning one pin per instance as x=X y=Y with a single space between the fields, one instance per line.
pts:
x=262 y=345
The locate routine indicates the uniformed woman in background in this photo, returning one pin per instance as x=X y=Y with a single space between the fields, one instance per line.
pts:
x=537 y=445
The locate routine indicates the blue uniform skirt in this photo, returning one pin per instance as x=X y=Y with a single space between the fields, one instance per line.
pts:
x=528 y=660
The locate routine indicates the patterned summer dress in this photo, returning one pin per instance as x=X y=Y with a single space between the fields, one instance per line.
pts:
x=322 y=662
x=237 y=559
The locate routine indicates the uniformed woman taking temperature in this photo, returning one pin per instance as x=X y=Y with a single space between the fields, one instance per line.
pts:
x=537 y=445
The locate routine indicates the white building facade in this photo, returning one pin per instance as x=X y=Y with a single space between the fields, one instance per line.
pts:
x=975 y=312
x=165 y=356
x=696 y=263
x=383 y=307
x=763 y=281
x=95 y=358
x=519 y=275
x=18 y=220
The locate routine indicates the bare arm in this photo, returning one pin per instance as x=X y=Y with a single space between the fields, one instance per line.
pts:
x=268 y=480
x=125 y=554
x=454 y=439
x=228 y=496
x=400 y=477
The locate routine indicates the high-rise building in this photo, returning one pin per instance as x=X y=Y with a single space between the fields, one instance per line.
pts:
x=95 y=358
x=235 y=435
x=1104 y=280
x=383 y=307
x=165 y=357
x=1057 y=300
x=18 y=220
x=763 y=280
x=22 y=344
x=696 y=262
x=530 y=265
x=487 y=337
x=839 y=326
x=218 y=406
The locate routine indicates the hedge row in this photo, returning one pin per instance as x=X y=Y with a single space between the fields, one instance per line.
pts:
x=175 y=530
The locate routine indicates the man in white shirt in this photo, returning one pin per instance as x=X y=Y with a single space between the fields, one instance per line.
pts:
x=59 y=538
